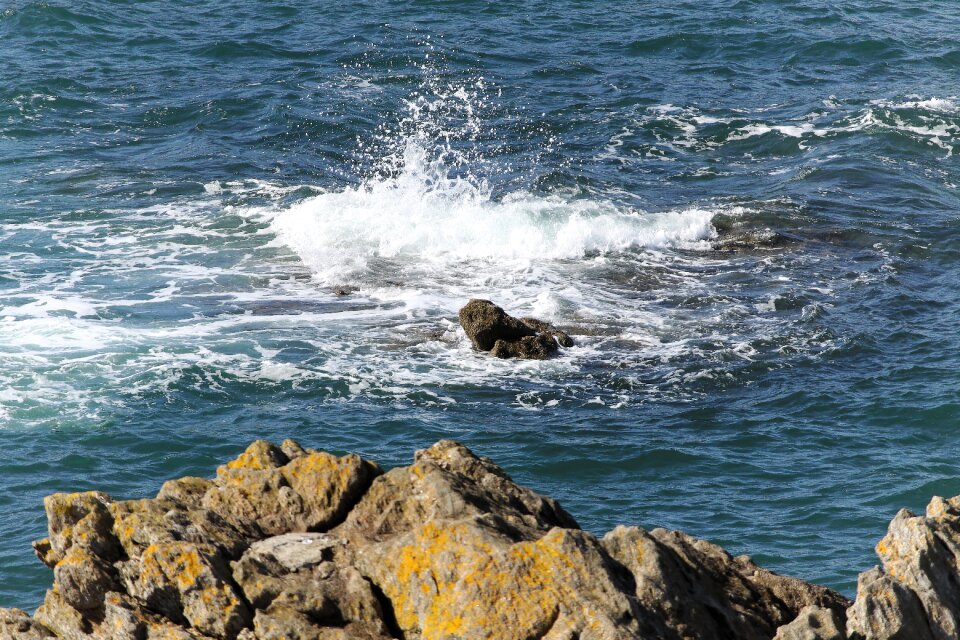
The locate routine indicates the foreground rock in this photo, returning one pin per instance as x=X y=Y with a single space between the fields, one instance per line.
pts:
x=296 y=544
x=491 y=329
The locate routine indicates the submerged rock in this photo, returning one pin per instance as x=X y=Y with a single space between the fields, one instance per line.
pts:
x=492 y=329
x=292 y=543
x=740 y=236
x=344 y=290
x=754 y=240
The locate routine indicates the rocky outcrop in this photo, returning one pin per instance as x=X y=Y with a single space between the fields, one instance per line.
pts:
x=287 y=543
x=813 y=623
x=17 y=625
x=491 y=329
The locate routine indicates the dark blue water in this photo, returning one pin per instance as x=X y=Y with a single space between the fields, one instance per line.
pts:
x=745 y=212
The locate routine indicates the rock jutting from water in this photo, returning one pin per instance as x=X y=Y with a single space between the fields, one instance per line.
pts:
x=492 y=329
x=297 y=544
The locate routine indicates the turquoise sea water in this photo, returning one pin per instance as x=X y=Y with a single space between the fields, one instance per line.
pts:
x=183 y=184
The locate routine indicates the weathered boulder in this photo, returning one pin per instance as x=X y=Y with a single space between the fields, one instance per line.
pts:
x=160 y=568
x=125 y=617
x=344 y=290
x=15 y=624
x=813 y=623
x=446 y=482
x=63 y=620
x=922 y=553
x=188 y=583
x=299 y=592
x=80 y=548
x=276 y=491
x=485 y=323
x=186 y=492
x=491 y=329
x=83 y=578
x=545 y=328
x=81 y=519
x=138 y=524
x=885 y=609
x=698 y=590
x=538 y=347
x=480 y=578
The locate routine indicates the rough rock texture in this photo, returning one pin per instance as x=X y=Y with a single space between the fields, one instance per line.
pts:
x=699 y=590
x=297 y=590
x=491 y=329
x=287 y=543
x=813 y=623
x=885 y=608
x=17 y=625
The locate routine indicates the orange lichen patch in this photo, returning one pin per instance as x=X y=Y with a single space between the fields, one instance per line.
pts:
x=318 y=476
x=139 y=522
x=219 y=598
x=188 y=567
x=74 y=506
x=208 y=603
x=522 y=589
x=323 y=472
x=44 y=551
x=76 y=556
x=180 y=563
x=882 y=548
x=316 y=462
x=177 y=563
x=460 y=579
x=424 y=566
x=61 y=503
x=65 y=511
x=259 y=456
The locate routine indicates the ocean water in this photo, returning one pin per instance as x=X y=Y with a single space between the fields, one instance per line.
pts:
x=745 y=212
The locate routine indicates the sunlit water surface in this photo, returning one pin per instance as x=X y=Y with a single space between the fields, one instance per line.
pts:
x=744 y=212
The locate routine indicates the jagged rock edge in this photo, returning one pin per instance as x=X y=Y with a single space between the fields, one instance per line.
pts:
x=856 y=618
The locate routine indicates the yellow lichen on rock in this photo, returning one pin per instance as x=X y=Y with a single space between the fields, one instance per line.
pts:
x=78 y=518
x=205 y=596
x=266 y=490
x=466 y=579
x=258 y=456
x=291 y=543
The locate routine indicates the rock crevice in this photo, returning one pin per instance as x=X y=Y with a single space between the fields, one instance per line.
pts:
x=296 y=544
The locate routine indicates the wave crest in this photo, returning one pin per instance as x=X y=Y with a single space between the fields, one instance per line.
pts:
x=423 y=214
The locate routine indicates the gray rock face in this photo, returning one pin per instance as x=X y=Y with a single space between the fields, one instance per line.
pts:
x=299 y=592
x=491 y=329
x=17 y=625
x=699 y=590
x=813 y=623
x=885 y=608
x=290 y=543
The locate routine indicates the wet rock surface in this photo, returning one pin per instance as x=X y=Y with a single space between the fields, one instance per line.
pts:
x=291 y=543
x=492 y=329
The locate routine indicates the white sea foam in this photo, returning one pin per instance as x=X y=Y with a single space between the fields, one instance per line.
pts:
x=791 y=130
x=200 y=297
x=425 y=215
x=946 y=105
